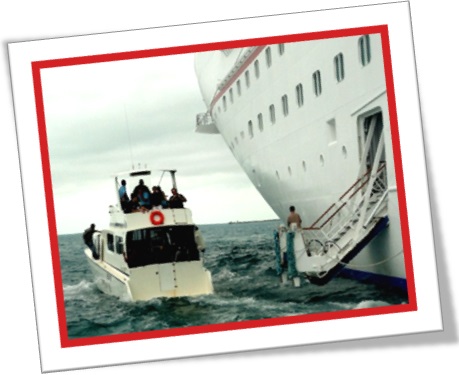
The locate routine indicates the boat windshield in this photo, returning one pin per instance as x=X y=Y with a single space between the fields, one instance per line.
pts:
x=161 y=245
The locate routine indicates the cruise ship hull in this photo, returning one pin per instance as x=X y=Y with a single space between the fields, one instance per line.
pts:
x=304 y=120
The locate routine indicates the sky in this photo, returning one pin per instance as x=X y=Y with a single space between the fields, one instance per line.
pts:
x=104 y=118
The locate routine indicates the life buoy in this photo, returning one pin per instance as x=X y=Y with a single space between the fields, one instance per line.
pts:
x=157 y=217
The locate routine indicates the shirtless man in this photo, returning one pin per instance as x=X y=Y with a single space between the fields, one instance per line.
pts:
x=294 y=218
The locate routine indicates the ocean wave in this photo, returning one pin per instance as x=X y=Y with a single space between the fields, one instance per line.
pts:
x=80 y=290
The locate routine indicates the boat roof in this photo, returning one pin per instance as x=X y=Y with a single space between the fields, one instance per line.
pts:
x=141 y=172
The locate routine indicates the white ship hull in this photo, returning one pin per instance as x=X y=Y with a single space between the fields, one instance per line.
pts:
x=296 y=118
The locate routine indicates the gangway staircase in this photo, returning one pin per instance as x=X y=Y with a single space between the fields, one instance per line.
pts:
x=322 y=249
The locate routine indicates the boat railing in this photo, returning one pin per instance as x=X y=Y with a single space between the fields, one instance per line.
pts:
x=204 y=119
x=346 y=213
x=241 y=60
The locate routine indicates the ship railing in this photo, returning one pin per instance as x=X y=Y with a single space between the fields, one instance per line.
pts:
x=205 y=123
x=345 y=214
x=204 y=119
x=240 y=60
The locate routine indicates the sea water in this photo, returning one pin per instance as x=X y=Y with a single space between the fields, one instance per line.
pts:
x=241 y=258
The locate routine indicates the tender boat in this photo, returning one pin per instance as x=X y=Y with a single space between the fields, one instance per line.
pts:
x=149 y=253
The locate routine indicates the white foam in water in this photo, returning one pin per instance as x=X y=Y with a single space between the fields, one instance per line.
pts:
x=367 y=304
x=77 y=291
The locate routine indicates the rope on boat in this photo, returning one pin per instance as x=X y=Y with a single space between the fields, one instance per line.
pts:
x=363 y=265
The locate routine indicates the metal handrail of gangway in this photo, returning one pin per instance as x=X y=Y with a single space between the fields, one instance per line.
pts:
x=319 y=232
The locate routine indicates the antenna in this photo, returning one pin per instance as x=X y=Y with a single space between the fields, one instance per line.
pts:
x=129 y=136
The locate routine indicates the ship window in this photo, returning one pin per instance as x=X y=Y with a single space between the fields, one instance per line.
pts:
x=260 y=122
x=236 y=141
x=268 y=57
x=339 y=67
x=238 y=86
x=242 y=135
x=281 y=48
x=272 y=113
x=224 y=103
x=250 y=129
x=364 y=49
x=110 y=242
x=119 y=244
x=299 y=95
x=247 y=78
x=285 y=105
x=304 y=165
x=289 y=171
x=231 y=95
x=317 y=83
x=277 y=175
x=257 y=69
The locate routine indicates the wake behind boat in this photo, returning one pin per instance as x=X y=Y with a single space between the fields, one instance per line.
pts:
x=148 y=251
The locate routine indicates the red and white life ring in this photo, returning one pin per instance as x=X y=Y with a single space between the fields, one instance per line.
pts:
x=157 y=217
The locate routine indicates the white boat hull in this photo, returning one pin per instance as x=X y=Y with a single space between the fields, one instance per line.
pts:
x=152 y=281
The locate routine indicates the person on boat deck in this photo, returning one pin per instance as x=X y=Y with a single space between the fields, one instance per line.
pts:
x=158 y=198
x=134 y=206
x=142 y=192
x=87 y=238
x=294 y=218
x=124 y=199
x=176 y=200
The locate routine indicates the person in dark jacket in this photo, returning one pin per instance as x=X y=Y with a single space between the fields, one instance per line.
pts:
x=87 y=238
x=176 y=200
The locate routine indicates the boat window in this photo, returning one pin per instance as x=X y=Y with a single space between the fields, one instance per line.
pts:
x=317 y=84
x=268 y=57
x=281 y=48
x=161 y=245
x=110 y=242
x=224 y=102
x=339 y=67
x=299 y=95
x=238 y=86
x=250 y=128
x=260 y=121
x=364 y=49
x=285 y=105
x=272 y=113
x=247 y=78
x=257 y=69
x=119 y=244
x=231 y=95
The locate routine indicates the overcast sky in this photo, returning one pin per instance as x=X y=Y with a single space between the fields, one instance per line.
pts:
x=102 y=117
